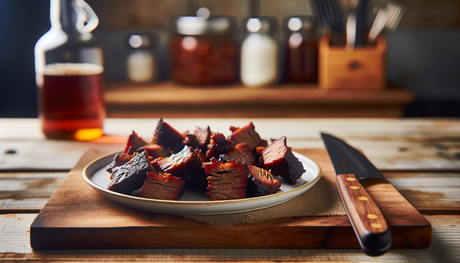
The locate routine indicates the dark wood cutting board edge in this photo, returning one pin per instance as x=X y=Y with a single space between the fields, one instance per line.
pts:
x=77 y=217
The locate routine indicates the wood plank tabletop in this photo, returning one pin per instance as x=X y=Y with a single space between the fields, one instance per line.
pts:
x=419 y=157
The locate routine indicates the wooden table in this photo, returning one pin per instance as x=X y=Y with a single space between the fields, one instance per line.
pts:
x=287 y=100
x=420 y=157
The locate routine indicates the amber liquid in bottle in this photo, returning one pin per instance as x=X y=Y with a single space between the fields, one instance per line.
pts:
x=72 y=101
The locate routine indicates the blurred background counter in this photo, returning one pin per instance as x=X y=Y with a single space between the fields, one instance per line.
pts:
x=170 y=100
x=422 y=63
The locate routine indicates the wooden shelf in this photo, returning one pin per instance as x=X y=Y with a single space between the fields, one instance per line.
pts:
x=288 y=100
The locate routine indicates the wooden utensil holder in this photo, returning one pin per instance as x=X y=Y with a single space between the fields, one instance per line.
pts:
x=360 y=68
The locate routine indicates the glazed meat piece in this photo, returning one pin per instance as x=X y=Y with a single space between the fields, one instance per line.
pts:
x=246 y=134
x=168 y=137
x=131 y=175
x=242 y=153
x=280 y=160
x=261 y=182
x=154 y=150
x=218 y=145
x=185 y=165
x=134 y=142
x=199 y=139
x=259 y=160
x=226 y=180
x=118 y=160
x=162 y=186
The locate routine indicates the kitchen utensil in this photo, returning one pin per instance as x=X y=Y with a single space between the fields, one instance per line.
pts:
x=361 y=11
x=356 y=23
x=395 y=12
x=330 y=16
x=352 y=168
x=351 y=25
x=378 y=25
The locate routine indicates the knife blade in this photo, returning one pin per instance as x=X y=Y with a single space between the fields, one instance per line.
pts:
x=351 y=168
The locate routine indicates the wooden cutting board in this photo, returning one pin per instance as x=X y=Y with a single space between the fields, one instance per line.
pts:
x=77 y=217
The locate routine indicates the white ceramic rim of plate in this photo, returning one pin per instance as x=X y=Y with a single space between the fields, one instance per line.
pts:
x=89 y=169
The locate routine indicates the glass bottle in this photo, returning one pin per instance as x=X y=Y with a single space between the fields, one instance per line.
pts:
x=69 y=74
x=259 y=52
x=301 y=45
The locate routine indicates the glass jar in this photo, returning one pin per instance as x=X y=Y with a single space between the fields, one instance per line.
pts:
x=141 y=61
x=301 y=49
x=203 y=51
x=259 y=52
x=68 y=67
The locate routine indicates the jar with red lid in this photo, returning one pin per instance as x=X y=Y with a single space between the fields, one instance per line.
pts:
x=203 y=51
x=301 y=49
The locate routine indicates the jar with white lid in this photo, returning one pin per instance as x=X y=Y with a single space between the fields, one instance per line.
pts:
x=203 y=51
x=141 y=62
x=259 y=52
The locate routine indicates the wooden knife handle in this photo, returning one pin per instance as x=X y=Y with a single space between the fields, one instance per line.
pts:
x=367 y=220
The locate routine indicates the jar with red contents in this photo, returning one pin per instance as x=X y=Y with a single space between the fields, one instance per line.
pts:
x=203 y=51
x=301 y=54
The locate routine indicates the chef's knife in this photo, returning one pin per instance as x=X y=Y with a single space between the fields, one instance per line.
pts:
x=352 y=168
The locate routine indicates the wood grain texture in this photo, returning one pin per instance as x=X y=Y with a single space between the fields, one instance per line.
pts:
x=78 y=217
x=360 y=68
x=15 y=246
x=27 y=192
x=288 y=100
x=368 y=222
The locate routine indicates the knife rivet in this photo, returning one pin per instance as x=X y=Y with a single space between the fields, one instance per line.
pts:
x=362 y=198
x=344 y=162
x=371 y=216
x=376 y=225
x=354 y=187
x=351 y=179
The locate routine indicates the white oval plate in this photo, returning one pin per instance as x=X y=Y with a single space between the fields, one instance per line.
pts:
x=194 y=203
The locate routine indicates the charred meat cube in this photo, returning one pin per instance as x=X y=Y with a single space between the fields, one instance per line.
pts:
x=199 y=139
x=118 y=160
x=131 y=175
x=168 y=137
x=218 y=145
x=242 y=153
x=134 y=142
x=185 y=164
x=281 y=161
x=154 y=150
x=226 y=180
x=261 y=182
x=245 y=134
x=259 y=160
x=162 y=186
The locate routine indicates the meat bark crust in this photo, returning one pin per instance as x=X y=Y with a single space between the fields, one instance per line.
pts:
x=281 y=161
x=168 y=137
x=131 y=175
x=199 y=139
x=226 y=181
x=118 y=160
x=133 y=143
x=218 y=145
x=154 y=150
x=245 y=134
x=242 y=153
x=261 y=182
x=162 y=186
x=185 y=165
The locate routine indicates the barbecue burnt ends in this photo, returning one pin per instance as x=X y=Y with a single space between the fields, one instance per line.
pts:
x=239 y=166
